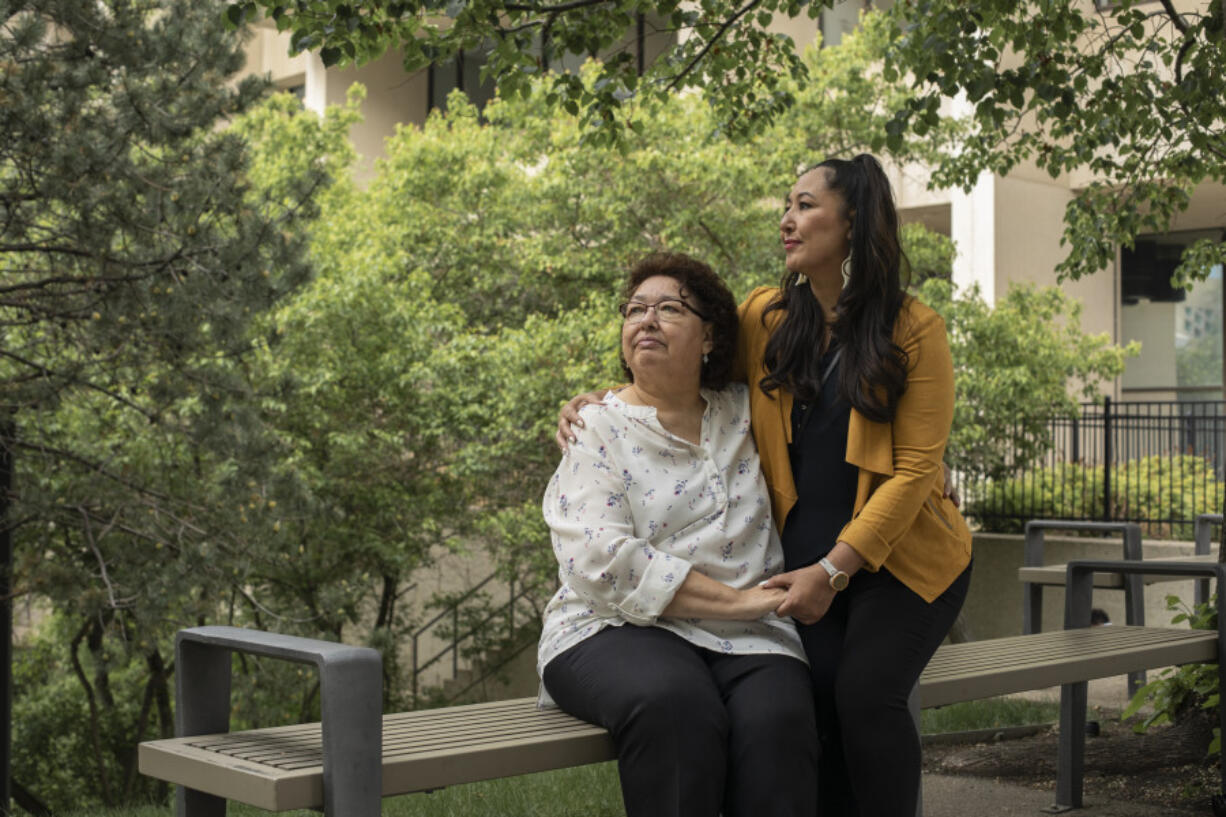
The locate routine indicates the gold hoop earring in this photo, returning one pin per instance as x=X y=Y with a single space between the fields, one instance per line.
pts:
x=846 y=270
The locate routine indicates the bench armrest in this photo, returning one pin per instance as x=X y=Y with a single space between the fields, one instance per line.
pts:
x=1032 y=555
x=1079 y=585
x=1203 y=530
x=350 y=694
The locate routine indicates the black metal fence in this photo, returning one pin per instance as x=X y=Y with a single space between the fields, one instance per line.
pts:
x=1153 y=462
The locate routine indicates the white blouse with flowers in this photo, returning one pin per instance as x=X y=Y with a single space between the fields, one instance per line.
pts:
x=632 y=509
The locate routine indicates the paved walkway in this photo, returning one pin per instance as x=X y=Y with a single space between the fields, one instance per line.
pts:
x=964 y=796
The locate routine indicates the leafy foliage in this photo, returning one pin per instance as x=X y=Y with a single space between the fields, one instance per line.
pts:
x=1178 y=692
x=720 y=46
x=136 y=248
x=1013 y=366
x=283 y=445
x=1129 y=95
x=1182 y=486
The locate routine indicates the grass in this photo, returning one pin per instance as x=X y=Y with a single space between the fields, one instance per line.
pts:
x=584 y=791
x=989 y=713
x=592 y=791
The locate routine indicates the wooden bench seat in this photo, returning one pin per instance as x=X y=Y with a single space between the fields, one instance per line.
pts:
x=282 y=768
x=285 y=768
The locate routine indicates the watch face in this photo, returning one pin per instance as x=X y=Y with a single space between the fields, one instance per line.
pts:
x=839 y=581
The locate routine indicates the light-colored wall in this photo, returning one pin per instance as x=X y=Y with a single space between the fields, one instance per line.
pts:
x=802 y=29
x=268 y=53
x=972 y=226
x=1029 y=222
x=392 y=97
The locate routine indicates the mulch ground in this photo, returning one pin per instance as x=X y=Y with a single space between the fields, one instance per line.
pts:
x=1167 y=766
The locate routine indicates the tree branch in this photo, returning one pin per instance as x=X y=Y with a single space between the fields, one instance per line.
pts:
x=1175 y=16
x=96 y=467
x=68 y=379
x=536 y=8
x=95 y=736
x=723 y=29
x=87 y=529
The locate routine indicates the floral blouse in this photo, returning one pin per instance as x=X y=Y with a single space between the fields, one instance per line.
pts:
x=633 y=508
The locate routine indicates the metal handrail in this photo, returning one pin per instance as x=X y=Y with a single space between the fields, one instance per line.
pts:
x=471 y=592
x=454 y=611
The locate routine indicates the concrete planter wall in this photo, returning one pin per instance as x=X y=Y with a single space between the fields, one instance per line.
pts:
x=994 y=605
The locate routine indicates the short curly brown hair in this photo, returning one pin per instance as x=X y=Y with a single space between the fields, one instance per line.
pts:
x=712 y=298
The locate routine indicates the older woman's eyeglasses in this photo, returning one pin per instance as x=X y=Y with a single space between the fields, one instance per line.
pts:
x=668 y=310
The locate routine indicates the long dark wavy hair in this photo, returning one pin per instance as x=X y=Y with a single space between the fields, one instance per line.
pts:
x=873 y=369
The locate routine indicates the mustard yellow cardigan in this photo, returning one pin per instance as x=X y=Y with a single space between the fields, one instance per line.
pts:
x=899 y=521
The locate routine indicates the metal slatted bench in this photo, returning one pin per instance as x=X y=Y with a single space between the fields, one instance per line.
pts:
x=1035 y=575
x=291 y=767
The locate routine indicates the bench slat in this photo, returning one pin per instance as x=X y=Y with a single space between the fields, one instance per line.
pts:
x=280 y=768
x=961 y=672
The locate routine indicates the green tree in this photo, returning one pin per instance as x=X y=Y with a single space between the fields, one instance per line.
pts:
x=1014 y=364
x=722 y=47
x=135 y=250
x=472 y=284
x=1131 y=94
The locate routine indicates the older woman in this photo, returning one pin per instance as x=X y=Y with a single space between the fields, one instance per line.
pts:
x=660 y=520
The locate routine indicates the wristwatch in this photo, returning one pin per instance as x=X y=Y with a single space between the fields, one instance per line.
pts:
x=838 y=579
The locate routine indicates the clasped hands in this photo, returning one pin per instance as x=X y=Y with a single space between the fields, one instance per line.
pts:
x=804 y=594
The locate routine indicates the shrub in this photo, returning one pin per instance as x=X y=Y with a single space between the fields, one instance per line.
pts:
x=1184 y=692
x=1158 y=487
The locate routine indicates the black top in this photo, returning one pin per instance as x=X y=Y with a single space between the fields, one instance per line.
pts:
x=825 y=481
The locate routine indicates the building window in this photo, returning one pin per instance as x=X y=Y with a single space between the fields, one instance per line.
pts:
x=463 y=72
x=646 y=40
x=1180 y=329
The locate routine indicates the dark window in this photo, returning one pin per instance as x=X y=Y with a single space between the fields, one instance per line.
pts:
x=463 y=72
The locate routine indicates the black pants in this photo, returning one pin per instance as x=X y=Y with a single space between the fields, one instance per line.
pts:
x=698 y=733
x=866 y=654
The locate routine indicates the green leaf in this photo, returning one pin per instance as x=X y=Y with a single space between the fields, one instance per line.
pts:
x=235 y=14
x=330 y=55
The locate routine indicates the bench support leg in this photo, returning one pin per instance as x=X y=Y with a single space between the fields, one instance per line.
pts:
x=1134 y=614
x=1032 y=608
x=913 y=705
x=1070 y=769
x=202 y=692
x=351 y=705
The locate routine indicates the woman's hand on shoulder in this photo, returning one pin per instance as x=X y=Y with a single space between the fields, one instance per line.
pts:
x=569 y=416
x=808 y=593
